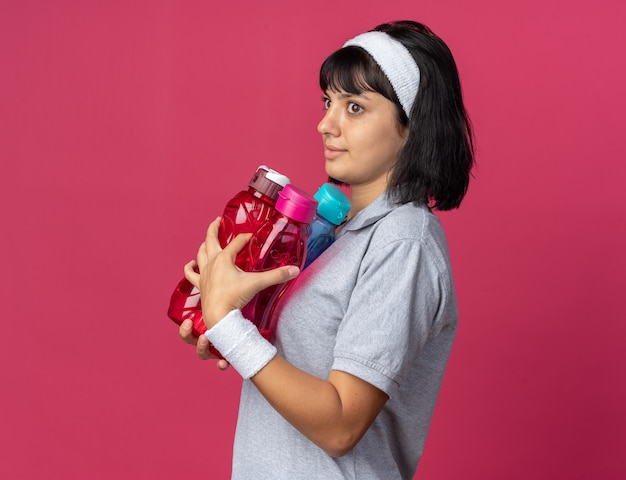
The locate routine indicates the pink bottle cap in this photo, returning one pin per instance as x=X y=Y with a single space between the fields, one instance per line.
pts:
x=296 y=204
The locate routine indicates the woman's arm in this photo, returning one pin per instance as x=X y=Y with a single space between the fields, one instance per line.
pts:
x=333 y=413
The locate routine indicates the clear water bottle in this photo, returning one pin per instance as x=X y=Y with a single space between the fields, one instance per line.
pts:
x=332 y=209
x=243 y=214
x=281 y=240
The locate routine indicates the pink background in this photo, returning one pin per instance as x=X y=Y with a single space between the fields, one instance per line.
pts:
x=125 y=127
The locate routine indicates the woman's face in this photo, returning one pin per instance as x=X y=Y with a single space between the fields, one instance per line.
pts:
x=362 y=138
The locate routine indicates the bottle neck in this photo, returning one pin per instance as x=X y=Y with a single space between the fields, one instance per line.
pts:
x=287 y=219
x=261 y=196
x=321 y=219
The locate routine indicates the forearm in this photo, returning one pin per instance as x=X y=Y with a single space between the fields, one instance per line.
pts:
x=315 y=406
x=332 y=413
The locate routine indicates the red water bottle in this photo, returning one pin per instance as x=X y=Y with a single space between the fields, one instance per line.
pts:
x=279 y=241
x=242 y=214
x=249 y=208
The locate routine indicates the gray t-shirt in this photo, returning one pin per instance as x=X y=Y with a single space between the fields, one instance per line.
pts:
x=379 y=304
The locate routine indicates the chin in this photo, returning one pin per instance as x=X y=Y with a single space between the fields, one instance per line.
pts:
x=334 y=176
x=335 y=181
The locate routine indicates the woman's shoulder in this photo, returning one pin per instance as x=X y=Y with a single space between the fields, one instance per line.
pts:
x=409 y=221
x=410 y=231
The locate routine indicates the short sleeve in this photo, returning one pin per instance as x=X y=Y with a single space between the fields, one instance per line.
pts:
x=391 y=313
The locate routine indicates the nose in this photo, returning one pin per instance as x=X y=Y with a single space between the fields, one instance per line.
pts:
x=329 y=124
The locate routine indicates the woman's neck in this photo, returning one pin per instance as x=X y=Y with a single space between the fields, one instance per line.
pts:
x=361 y=196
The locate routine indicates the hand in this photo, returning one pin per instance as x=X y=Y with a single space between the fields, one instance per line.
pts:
x=224 y=286
x=201 y=343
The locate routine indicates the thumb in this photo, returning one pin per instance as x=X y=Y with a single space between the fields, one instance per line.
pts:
x=275 y=276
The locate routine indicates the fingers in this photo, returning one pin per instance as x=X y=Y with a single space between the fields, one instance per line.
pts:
x=191 y=274
x=237 y=244
x=201 y=256
x=185 y=332
x=202 y=344
x=211 y=243
x=202 y=348
x=222 y=364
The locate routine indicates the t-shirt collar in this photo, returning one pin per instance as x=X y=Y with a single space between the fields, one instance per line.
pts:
x=369 y=215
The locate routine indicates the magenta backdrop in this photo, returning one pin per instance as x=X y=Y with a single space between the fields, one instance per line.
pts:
x=125 y=127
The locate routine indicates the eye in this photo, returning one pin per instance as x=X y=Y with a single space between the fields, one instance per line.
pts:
x=354 y=108
x=326 y=101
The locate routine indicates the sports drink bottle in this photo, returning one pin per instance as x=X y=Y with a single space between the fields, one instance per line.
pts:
x=279 y=241
x=332 y=209
x=243 y=214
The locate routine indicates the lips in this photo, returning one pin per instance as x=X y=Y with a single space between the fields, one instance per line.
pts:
x=331 y=152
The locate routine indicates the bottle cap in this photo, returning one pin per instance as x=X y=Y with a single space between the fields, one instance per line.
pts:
x=333 y=205
x=296 y=204
x=267 y=181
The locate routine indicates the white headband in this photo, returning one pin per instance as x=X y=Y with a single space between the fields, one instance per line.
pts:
x=395 y=61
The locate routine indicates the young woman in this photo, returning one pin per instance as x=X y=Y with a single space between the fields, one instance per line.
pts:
x=365 y=332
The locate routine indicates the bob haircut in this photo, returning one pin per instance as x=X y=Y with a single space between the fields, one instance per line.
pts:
x=435 y=164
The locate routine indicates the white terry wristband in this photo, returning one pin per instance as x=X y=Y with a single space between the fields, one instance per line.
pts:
x=241 y=344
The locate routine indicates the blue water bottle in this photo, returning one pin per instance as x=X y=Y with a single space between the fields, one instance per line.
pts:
x=332 y=209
